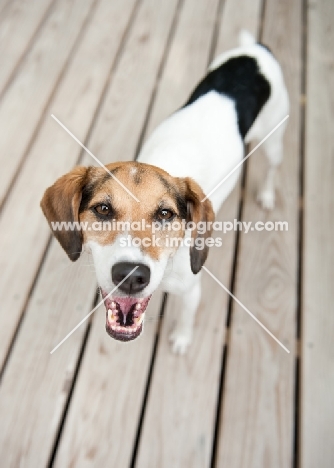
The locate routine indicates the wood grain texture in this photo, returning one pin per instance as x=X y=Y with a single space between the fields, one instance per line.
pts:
x=3 y=6
x=36 y=384
x=24 y=102
x=53 y=154
x=257 y=417
x=317 y=382
x=181 y=408
x=187 y=60
x=125 y=106
x=18 y=27
x=236 y=16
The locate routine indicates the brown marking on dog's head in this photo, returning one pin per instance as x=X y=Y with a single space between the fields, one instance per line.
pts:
x=156 y=191
x=90 y=195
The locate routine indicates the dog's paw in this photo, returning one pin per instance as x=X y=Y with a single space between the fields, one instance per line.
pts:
x=180 y=341
x=266 y=198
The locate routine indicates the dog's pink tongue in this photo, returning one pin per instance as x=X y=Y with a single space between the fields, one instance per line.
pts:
x=125 y=303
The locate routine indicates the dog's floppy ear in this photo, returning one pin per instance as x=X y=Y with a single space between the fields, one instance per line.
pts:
x=61 y=202
x=197 y=211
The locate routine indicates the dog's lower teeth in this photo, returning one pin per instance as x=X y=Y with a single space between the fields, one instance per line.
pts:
x=138 y=306
x=128 y=329
x=139 y=320
x=113 y=305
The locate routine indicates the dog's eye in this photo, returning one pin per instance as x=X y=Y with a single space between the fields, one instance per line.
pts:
x=165 y=214
x=103 y=209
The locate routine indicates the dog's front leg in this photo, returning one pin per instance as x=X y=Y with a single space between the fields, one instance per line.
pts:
x=181 y=335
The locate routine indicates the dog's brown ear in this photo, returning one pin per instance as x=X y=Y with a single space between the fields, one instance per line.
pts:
x=198 y=211
x=61 y=202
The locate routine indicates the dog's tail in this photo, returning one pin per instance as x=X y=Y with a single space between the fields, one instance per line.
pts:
x=246 y=38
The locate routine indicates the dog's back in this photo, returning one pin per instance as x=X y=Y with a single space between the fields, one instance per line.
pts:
x=242 y=97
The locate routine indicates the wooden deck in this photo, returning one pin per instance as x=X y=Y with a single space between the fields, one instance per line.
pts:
x=111 y=70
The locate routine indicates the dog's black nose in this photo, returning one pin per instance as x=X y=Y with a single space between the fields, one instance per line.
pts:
x=136 y=282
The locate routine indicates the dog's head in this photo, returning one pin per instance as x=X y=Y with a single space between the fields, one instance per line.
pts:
x=123 y=233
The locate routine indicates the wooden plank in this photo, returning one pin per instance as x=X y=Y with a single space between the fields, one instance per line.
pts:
x=32 y=421
x=257 y=417
x=18 y=27
x=181 y=407
x=24 y=103
x=317 y=382
x=3 y=6
x=236 y=16
x=53 y=154
x=120 y=122
x=36 y=384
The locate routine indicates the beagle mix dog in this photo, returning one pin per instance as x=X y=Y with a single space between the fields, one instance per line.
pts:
x=241 y=99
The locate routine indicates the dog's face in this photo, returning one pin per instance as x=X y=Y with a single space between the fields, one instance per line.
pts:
x=123 y=233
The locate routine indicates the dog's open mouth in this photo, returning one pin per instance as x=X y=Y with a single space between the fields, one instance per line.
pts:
x=125 y=316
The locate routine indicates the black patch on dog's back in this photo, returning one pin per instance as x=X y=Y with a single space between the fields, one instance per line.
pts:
x=240 y=79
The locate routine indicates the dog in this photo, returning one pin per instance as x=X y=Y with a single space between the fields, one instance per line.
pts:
x=241 y=99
